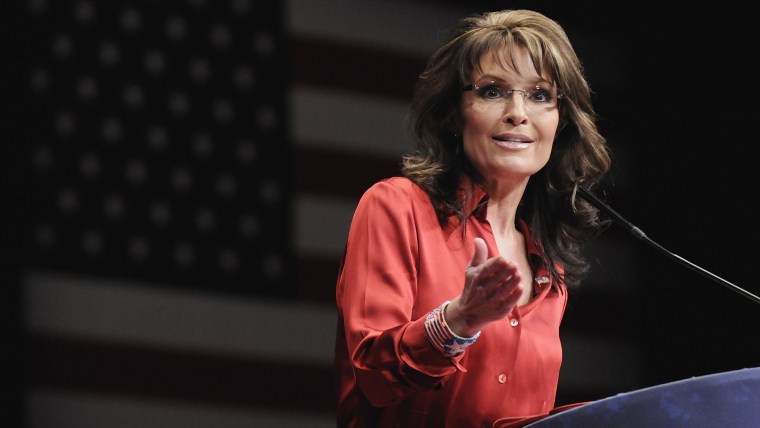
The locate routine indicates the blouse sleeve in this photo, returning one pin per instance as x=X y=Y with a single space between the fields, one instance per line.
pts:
x=390 y=353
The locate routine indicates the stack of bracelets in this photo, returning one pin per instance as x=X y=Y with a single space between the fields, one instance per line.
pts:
x=441 y=336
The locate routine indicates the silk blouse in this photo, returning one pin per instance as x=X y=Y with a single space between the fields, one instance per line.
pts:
x=399 y=265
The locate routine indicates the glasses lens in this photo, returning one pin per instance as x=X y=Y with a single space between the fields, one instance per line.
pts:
x=535 y=100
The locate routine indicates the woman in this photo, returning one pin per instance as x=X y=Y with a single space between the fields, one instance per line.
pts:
x=455 y=276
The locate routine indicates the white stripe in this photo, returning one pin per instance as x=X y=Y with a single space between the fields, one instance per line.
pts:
x=140 y=313
x=352 y=123
x=397 y=25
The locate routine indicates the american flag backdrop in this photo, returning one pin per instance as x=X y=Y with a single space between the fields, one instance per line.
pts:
x=195 y=166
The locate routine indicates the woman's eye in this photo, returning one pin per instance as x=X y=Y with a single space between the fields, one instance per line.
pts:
x=541 y=95
x=491 y=92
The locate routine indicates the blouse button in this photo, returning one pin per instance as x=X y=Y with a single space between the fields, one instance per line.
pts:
x=502 y=378
x=513 y=322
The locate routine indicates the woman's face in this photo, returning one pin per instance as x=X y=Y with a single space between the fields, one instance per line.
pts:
x=510 y=118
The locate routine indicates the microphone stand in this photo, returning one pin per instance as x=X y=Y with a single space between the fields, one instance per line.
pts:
x=635 y=231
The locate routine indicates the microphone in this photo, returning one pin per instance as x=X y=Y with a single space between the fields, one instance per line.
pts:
x=635 y=231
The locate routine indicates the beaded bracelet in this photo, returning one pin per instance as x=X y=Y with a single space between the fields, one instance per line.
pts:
x=441 y=336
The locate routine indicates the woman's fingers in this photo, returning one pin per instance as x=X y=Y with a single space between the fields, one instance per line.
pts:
x=495 y=272
x=493 y=285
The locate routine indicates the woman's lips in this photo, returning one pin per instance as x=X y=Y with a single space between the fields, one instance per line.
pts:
x=512 y=143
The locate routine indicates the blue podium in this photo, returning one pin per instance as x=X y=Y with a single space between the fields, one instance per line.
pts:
x=722 y=400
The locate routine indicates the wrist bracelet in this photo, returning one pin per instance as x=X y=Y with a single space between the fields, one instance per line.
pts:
x=441 y=336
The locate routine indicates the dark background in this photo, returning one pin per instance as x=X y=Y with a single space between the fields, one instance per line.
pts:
x=675 y=92
x=684 y=115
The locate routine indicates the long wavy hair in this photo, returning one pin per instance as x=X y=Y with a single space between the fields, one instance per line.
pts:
x=560 y=223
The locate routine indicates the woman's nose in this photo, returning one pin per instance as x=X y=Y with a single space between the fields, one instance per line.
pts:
x=514 y=108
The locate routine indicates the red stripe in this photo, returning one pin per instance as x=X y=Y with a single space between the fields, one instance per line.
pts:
x=347 y=67
x=145 y=372
x=317 y=279
x=332 y=172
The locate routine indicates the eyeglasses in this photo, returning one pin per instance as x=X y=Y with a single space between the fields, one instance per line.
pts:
x=537 y=100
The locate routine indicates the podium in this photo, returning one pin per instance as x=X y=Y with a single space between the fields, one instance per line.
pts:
x=722 y=400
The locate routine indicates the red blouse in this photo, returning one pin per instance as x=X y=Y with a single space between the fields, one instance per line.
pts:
x=399 y=265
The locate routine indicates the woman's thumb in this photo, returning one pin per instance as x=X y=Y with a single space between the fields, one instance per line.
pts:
x=481 y=252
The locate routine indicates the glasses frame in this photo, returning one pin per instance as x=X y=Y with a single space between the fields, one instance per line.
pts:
x=510 y=92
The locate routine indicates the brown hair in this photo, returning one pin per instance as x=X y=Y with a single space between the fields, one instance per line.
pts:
x=559 y=222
